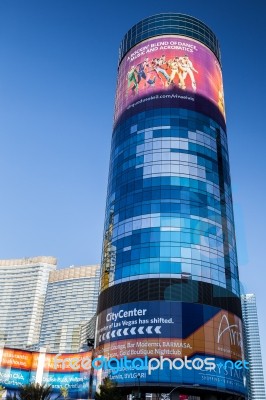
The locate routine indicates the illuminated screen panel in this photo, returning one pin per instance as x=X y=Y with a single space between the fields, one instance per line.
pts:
x=169 y=68
x=70 y=371
x=172 y=332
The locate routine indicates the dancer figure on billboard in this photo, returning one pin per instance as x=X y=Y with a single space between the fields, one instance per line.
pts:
x=141 y=70
x=159 y=65
x=132 y=78
x=175 y=67
x=144 y=72
x=186 y=68
x=221 y=99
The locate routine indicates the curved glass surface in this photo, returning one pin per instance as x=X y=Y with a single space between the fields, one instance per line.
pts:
x=169 y=200
x=169 y=23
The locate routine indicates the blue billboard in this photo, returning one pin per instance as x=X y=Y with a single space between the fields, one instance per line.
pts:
x=164 y=342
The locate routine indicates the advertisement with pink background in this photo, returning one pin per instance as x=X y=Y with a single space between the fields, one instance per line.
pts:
x=168 y=64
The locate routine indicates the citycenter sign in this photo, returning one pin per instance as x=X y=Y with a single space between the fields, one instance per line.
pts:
x=125 y=314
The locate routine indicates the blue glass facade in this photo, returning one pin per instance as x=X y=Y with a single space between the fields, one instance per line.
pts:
x=169 y=23
x=169 y=234
x=172 y=211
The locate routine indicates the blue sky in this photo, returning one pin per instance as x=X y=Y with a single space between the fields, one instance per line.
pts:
x=57 y=83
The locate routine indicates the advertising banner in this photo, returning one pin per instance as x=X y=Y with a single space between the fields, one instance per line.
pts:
x=76 y=383
x=67 y=362
x=13 y=378
x=70 y=371
x=12 y=358
x=171 y=342
x=169 y=67
x=15 y=368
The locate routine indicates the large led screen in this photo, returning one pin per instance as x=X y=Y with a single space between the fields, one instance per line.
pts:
x=174 y=68
x=155 y=334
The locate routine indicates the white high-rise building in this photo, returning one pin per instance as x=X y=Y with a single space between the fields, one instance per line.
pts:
x=23 y=284
x=71 y=301
x=255 y=379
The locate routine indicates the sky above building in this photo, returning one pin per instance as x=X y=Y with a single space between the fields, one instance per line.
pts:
x=57 y=86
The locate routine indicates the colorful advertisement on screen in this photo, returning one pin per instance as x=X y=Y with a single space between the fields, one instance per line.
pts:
x=69 y=371
x=177 y=343
x=15 y=368
x=164 y=68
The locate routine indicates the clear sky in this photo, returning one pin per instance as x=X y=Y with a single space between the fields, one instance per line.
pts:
x=57 y=83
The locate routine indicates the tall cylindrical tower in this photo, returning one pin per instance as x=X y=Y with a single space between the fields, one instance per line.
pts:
x=169 y=307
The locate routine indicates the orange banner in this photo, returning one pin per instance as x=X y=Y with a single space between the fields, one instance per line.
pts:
x=13 y=358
